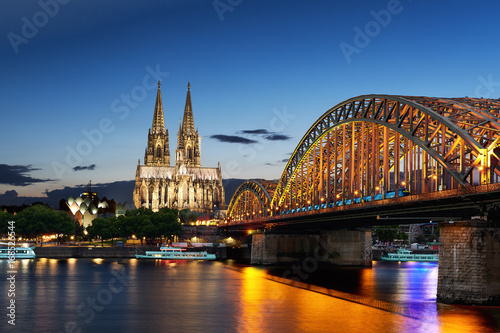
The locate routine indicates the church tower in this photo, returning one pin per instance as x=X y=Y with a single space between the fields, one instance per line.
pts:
x=188 y=140
x=158 y=151
x=185 y=185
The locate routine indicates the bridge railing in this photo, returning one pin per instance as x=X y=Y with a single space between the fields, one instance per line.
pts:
x=462 y=191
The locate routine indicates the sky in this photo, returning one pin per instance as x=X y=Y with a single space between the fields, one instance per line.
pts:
x=78 y=83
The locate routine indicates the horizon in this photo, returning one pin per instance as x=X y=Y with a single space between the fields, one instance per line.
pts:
x=79 y=83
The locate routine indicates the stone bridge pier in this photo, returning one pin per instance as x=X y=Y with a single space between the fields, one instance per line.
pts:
x=469 y=263
x=338 y=247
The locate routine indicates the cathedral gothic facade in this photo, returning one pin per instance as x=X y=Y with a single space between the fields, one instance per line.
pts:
x=185 y=185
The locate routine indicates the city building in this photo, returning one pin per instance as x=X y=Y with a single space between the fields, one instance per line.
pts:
x=184 y=185
x=86 y=207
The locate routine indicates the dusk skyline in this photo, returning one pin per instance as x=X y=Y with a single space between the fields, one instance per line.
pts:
x=79 y=88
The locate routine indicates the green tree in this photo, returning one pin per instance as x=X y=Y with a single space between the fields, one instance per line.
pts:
x=402 y=235
x=104 y=227
x=421 y=239
x=167 y=223
x=37 y=220
x=148 y=229
x=134 y=222
x=62 y=223
x=387 y=233
x=187 y=216
x=4 y=221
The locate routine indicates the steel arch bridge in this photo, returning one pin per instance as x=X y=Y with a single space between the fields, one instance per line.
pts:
x=377 y=147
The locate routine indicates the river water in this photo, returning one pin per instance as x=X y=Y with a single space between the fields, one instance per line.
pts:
x=129 y=295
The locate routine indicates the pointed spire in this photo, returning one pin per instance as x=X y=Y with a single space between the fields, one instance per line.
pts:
x=188 y=120
x=158 y=121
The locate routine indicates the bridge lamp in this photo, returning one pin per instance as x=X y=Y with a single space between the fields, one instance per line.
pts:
x=260 y=212
x=338 y=196
x=308 y=202
x=403 y=183
x=322 y=199
x=356 y=192
x=480 y=168
x=253 y=213
x=435 y=177
x=377 y=188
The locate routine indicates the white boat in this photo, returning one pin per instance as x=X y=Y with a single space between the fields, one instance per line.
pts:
x=175 y=253
x=407 y=255
x=19 y=252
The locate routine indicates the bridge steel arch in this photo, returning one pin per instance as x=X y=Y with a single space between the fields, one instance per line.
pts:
x=251 y=200
x=378 y=144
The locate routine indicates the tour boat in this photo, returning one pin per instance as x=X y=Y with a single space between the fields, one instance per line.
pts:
x=19 y=252
x=406 y=255
x=175 y=253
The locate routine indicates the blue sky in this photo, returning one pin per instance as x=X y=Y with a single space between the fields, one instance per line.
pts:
x=272 y=66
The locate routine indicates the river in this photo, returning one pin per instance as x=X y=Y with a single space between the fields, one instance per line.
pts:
x=129 y=295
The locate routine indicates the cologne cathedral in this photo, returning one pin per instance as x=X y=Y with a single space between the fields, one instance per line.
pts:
x=185 y=185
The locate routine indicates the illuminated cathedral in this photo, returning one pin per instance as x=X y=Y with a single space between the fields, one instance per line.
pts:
x=185 y=185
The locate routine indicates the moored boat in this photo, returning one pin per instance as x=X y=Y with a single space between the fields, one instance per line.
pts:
x=176 y=253
x=17 y=252
x=407 y=255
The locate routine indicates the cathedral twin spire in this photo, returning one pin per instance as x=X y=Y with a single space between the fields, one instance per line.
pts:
x=188 y=140
x=158 y=121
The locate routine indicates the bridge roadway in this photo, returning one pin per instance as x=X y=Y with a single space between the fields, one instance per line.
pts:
x=462 y=203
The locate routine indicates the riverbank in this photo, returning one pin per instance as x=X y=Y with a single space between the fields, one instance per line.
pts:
x=58 y=252
x=241 y=254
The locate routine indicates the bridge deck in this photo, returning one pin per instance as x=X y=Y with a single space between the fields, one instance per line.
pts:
x=451 y=204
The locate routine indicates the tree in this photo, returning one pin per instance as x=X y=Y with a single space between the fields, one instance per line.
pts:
x=401 y=235
x=386 y=233
x=167 y=223
x=62 y=224
x=4 y=220
x=144 y=223
x=104 y=227
x=421 y=239
x=187 y=216
x=39 y=219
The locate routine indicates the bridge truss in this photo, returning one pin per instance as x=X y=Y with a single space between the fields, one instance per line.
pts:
x=381 y=146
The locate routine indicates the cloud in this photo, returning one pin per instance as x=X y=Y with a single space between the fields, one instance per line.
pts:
x=232 y=139
x=120 y=191
x=16 y=175
x=285 y=160
x=271 y=136
x=9 y=195
x=256 y=131
x=84 y=167
x=277 y=137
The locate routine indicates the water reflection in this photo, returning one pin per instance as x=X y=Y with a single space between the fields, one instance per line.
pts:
x=211 y=296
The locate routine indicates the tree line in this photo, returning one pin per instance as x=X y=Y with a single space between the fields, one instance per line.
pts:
x=143 y=223
x=38 y=220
